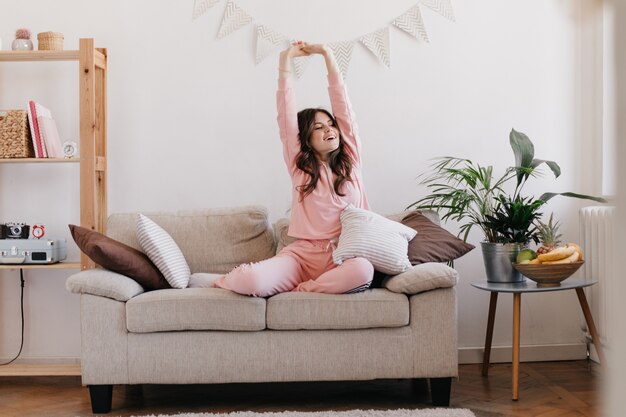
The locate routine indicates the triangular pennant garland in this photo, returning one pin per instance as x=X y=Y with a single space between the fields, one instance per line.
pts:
x=266 y=41
x=411 y=22
x=343 y=55
x=443 y=7
x=201 y=6
x=378 y=43
x=234 y=18
x=299 y=65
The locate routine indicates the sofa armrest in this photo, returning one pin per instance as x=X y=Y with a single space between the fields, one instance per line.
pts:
x=422 y=277
x=104 y=283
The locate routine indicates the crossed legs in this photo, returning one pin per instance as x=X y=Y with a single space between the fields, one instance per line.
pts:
x=305 y=266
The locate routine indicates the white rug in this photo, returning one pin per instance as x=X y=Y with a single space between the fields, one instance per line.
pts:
x=426 y=412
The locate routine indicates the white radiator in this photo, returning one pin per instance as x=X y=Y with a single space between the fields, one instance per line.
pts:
x=596 y=238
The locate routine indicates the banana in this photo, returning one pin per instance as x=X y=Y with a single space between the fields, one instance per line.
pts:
x=574 y=257
x=557 y=254
x=534 y=262
x=578 y=249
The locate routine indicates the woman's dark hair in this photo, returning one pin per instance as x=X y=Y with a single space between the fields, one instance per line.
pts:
x=339 y=161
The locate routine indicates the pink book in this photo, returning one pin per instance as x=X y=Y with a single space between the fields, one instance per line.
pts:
x=40 y=110
x=50 y=136
x=34 y=130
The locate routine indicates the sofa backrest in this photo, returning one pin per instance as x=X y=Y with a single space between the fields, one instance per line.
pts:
x=432 y=215
x=212 y=240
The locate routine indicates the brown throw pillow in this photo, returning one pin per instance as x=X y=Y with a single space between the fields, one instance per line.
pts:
x=432 y=243
x=118 y=257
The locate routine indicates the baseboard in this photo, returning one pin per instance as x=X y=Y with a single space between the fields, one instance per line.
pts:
x=528 y=353
x=40 y=370
x=45 y=360
x=38 y=366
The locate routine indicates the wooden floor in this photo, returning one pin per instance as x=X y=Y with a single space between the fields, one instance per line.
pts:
x=547 y=389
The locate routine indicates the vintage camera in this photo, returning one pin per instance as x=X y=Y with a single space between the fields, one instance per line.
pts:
x=14 y=230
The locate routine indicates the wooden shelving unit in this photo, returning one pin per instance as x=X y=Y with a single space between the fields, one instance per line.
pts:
x=16 y=56
x=58 y=265
x=36 y=160
x=92 y=78
x=40 y=370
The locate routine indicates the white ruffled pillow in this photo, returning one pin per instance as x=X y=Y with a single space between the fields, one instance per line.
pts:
x=381 y=241
x=163 y=251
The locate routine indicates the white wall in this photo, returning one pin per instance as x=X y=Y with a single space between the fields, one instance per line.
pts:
x=192 y=124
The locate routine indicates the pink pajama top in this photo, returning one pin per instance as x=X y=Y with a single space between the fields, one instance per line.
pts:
x=317 y=216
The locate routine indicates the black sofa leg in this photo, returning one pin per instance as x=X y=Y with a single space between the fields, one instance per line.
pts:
x=101 y=397
x=440 y=391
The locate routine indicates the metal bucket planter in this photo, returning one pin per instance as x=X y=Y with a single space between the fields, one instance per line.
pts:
x=498 y=258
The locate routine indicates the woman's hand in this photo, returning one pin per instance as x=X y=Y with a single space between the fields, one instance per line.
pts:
x=315 y=48
x=299 y=49
x=296 y=49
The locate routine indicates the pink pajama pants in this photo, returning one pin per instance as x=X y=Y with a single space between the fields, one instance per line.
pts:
x=305 y=265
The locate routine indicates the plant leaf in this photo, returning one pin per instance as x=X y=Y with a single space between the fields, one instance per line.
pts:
x=548 y=196
x=556 y=169
x=524 y=152
x=523 y=148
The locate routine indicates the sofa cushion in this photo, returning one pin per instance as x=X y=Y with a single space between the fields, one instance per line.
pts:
x=381 y=241
x=103 y=283
x=281 y=234
x=118 y=257
x=212 y=240
x=315 y=311
x=431 y=215
x=433 y=243
x=203 y=280
x=281 y=226
x=163 y=252
x=194 y=309
x=423 y=277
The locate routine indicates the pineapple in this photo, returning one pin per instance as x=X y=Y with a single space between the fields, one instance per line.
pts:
x=548 y=235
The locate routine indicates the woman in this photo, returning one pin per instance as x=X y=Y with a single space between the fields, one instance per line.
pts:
x=322 y=153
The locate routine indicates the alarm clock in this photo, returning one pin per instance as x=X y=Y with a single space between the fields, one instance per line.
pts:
x=38 y=231
x=69 y=149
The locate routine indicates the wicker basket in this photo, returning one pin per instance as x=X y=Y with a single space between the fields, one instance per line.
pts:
x=15 y=140
x=50 y=41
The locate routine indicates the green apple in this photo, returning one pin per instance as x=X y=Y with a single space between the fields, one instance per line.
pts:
x=526 y=255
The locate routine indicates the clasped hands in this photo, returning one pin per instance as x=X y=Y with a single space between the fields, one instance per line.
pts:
x=301 y=48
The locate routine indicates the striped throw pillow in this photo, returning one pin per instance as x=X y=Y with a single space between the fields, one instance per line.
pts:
x=381 y=241
x=163 y=252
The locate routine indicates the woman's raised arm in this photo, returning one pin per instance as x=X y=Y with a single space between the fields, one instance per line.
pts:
x=286 y=105
x=326 y=52
x=342 y=108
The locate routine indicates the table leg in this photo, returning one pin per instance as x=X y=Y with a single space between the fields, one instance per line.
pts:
x=517 y=302
x=590 y=324
x=493 y=301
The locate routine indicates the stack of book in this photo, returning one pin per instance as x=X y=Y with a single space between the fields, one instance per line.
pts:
x=44 y=132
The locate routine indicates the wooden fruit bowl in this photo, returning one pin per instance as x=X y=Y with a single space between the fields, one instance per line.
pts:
x=548 y=275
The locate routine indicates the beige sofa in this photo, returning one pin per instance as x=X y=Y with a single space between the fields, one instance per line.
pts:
x=210 y=335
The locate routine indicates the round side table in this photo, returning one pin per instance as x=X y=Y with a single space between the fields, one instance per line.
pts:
x=528 y=286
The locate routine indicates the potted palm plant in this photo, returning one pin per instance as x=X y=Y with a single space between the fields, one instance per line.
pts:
x=469 y=193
